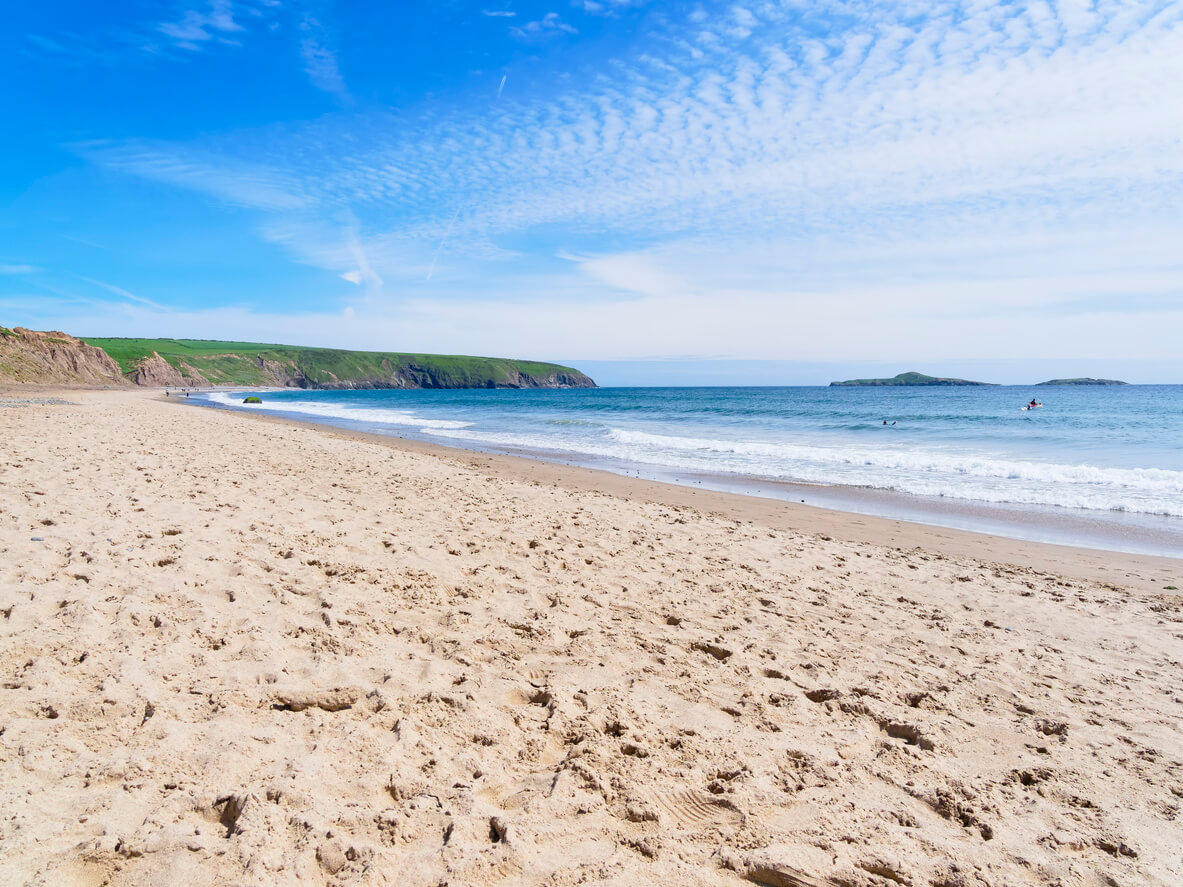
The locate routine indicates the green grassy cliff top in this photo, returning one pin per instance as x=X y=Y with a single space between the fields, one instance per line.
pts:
x=256 y=363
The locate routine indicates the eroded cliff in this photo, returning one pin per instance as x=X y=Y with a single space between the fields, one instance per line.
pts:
x=58 y=358
x=53 y=358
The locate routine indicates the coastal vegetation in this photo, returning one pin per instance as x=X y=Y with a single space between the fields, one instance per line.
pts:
x=208 y=362
x=57 y=358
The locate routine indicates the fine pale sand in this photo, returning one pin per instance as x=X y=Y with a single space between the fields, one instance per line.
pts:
x=246 y=652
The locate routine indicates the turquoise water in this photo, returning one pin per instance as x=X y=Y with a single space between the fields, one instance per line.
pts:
x=1109 y=456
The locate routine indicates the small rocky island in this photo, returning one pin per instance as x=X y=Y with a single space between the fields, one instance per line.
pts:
x=905 y=379
x=1083 y=382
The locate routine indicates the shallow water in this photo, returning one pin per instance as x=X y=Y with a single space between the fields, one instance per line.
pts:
x=1098 y=455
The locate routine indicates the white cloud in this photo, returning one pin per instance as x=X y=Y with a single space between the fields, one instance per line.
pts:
x=801 y=325
x=197 y=26
x=915 y=171
x=605 y=7
x=320 y=60
x=549 y=25
x=320 y=64
x=238 y=183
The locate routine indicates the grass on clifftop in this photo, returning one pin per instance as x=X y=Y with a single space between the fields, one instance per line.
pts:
x=240 y=363
x=129 y=352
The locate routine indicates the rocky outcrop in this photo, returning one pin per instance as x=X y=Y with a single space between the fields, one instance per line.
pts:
x=285 y=374
x=550 y=380
x=53 y=358
x=193 y=376
x=416 y=376
x=157 y=372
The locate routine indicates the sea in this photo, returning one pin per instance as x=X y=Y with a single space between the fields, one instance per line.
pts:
x=1100 y=467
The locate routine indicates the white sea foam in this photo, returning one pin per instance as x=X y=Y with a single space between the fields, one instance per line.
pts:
x=1147 y=479
x=925 y=472
x=339 y=411
x=949 y=469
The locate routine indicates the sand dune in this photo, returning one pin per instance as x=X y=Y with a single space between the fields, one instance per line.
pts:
x=238 y=652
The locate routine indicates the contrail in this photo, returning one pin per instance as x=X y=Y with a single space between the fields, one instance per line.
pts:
x=456 y=215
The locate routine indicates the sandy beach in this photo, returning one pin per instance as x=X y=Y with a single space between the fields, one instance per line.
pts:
x=241 y=651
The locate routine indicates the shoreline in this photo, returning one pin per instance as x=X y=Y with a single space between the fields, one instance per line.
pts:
x=1131 y=532
x=1145 y=572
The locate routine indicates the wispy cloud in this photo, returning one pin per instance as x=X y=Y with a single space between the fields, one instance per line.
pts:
x=793 y=127
x=196 y=26
x=232 y=181
x=192 y=29
x=320 y=64
x=550 y=25
x=498 y=13
x=364 y=274
x=793 y=161
x=19 y=269
x=123 y=293
x=605 y=7
x=320 y=59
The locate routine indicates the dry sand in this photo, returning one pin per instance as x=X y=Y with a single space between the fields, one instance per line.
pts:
x=242 y=652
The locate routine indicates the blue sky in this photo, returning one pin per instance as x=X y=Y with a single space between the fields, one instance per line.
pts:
x=827 y=183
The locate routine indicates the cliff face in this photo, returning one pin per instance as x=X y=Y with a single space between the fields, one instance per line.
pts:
x=287 y=367
x=415 y=376
x=158 y=372
x=53 y=358
x=57 y=358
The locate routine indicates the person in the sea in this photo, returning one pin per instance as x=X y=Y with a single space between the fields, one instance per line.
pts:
x=1033 y=403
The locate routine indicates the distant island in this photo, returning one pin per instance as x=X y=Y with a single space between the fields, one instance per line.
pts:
x=61 y=359
x=905 y=379
x=1083 y=382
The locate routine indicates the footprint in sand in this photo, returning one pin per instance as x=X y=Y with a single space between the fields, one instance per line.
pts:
x=688 y=810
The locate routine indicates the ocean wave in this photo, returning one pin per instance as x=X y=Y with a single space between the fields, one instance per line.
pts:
x=917 y=471
x=962 y=465
x=343 y=412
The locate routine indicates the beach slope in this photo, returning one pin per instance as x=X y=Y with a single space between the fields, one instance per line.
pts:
x=249 y=652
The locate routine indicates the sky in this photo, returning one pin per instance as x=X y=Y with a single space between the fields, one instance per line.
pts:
x=787 y=188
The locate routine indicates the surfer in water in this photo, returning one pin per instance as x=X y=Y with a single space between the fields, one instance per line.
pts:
x=1034 y=403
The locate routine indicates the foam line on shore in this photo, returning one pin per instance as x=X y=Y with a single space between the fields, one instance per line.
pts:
x=1145 y=572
